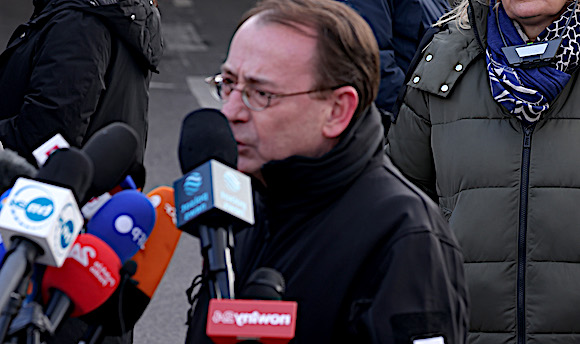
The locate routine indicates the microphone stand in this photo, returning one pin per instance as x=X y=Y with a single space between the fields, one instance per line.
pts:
x=216 y=247
x=17 y=262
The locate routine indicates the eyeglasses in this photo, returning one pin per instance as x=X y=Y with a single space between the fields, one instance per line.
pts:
x=253 y=98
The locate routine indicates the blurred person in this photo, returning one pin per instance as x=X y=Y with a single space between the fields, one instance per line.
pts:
x=398 y=26
x=365 y=254
x=75 y=67
x=489 y=127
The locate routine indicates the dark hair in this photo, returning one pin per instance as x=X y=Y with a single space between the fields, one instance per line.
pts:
x=347 y=51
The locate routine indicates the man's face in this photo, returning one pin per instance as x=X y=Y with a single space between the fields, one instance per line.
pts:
x=274 y=58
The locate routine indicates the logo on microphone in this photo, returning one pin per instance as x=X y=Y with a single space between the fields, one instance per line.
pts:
x=67 y=227
x=192 y=183
x=31 y=206
x=125 y=224
x=232 y=182
x=251 y=318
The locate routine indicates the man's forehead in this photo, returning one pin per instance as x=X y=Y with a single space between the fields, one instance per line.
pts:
x=259 y=48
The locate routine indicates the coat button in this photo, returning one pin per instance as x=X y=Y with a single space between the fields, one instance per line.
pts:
x=133 y=17
x=416 y=79
x=459 y=67
x=444 y=88
x=428 y=57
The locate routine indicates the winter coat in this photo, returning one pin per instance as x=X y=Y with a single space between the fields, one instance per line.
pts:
x=398 y=26
x=365 y=254
x=75 y=67
x=510 y=193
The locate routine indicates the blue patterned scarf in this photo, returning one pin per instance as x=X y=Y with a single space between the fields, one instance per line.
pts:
x=527 y=93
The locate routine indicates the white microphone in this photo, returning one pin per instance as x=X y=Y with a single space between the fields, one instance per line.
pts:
x=40 y=219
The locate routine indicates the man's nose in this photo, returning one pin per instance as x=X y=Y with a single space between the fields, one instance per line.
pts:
x=235 y=109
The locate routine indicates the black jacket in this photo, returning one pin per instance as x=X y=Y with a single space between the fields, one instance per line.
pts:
x=365 y=254
x=75 y=67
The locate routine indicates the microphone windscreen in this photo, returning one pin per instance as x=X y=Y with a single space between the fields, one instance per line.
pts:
x=124 y=222
x=205 y=135
x=154 y=259
x=13 y=166
x=113 y=151
x=89 y=275
x=264 y=284
x=70 y=168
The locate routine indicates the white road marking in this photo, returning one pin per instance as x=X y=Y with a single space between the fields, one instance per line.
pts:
x=182 y=3
x=200 y=91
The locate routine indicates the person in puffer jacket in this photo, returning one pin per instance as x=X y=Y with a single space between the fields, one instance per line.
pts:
x=488 y=126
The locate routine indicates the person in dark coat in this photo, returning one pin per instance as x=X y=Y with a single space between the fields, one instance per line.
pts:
x=75 y=67
x=398 y=26
x=365 y=254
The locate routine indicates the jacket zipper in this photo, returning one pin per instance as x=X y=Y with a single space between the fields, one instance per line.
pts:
x=524 y=188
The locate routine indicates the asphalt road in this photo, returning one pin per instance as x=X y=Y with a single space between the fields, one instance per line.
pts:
x=196 y=33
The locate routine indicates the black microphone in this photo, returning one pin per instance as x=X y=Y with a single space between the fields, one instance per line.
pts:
x=13 y=166
x=205 y=135
x=212 y=197
x=112 y=150
x=264 y=284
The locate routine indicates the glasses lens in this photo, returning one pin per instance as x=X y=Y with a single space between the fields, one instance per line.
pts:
x=255 y=100
x=214 y=86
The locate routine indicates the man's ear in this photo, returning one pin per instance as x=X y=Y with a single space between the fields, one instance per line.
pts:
x=344 y=103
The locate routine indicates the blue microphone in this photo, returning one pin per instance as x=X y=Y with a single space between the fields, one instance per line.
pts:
x=2 y=251
x=124 y=222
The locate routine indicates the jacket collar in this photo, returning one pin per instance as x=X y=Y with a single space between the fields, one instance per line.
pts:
x=478 y=19
x=300 y=185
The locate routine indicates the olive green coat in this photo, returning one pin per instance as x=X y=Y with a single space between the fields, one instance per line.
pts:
x=511 y=196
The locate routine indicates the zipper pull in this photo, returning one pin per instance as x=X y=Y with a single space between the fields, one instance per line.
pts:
x=527 y=137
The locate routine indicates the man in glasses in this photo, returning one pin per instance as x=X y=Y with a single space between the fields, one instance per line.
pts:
x=366 y=255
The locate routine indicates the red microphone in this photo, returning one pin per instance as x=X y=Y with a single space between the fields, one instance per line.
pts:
x=232 y=321
x=88 y=277
x=264 y=319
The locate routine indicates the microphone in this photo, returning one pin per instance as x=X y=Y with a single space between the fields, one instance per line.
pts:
x=126 y=306
x=95 y=203
x=86 y=280
x=2 y=251
x=124 y=222
x=42 y=153
x=112 y=150
x=153 y=260
x=263 y=318
x=212 y=197
x=40 y=220
x=264 y=284
x=13 y=166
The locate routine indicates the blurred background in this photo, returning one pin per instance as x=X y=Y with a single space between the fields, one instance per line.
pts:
x=196 y=35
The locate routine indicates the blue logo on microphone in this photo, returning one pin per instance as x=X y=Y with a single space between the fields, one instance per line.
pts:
x=39 y=209
x=67 y=234
x=232 y=182
x=31 y=206
x=192 y=183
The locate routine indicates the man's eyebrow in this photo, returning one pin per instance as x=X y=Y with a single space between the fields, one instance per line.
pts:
x=248 y=79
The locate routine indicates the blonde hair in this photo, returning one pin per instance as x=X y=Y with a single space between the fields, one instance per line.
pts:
x=460 y=14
